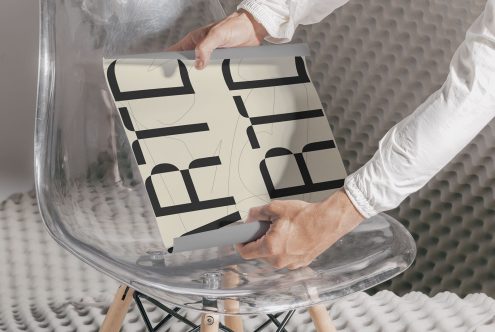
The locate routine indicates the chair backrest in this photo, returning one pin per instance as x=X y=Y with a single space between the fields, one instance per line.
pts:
x=94 y=204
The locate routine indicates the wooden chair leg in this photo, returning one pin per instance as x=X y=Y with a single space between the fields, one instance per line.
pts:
x=234 y=322
x=321 y=318
x=209 y=322
x=118 y=309
x=231 y=280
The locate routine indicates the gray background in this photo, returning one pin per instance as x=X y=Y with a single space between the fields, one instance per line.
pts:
x=18 y=72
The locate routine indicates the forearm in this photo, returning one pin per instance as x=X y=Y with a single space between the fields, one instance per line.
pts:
x=281 y=17
x=414 y=150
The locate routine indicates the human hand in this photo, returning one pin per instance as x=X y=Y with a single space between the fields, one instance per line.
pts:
x=300 y=231
x=236 y=30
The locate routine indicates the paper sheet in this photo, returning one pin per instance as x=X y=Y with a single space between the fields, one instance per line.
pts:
x=211 y=144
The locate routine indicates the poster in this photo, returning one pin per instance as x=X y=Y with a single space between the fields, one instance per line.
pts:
x=212 y=143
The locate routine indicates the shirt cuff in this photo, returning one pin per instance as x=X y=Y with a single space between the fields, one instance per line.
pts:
x=357 y=197
x=271 y=20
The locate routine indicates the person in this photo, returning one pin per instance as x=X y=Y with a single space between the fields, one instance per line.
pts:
x=408 y=156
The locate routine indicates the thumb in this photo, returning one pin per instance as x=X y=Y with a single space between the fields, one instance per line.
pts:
x=213 y=39
x=259 y=213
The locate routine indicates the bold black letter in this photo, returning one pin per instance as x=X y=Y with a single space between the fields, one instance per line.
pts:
x=308 y=185
x=149 y=93
x=302 y=77
x=195 y=204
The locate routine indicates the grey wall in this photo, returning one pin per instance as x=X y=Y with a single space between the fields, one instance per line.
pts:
x=18 y=72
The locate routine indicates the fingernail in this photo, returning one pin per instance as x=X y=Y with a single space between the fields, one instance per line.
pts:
x=199 y=64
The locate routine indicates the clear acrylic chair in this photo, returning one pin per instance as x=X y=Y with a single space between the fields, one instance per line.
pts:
x=93 y=201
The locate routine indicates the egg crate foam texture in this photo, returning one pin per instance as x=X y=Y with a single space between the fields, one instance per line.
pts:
x=374 y=62
x=45 y=288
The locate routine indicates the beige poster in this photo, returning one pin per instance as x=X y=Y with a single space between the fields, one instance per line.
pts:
x=211 y=144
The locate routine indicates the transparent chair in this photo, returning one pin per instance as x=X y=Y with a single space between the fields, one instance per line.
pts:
x=93 y=201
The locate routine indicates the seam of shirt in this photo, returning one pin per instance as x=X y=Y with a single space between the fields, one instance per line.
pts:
x=272 y=25
x=358 y=199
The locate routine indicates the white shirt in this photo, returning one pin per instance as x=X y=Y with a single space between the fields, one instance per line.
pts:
x=419 y=146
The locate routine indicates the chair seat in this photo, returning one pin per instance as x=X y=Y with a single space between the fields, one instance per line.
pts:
x=61 y=293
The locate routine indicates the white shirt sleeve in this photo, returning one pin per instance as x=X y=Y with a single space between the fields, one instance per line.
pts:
x=281 y=17
x=415 y=149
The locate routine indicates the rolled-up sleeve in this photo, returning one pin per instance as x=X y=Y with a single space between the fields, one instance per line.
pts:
x=281 y=17
x=415 y=149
